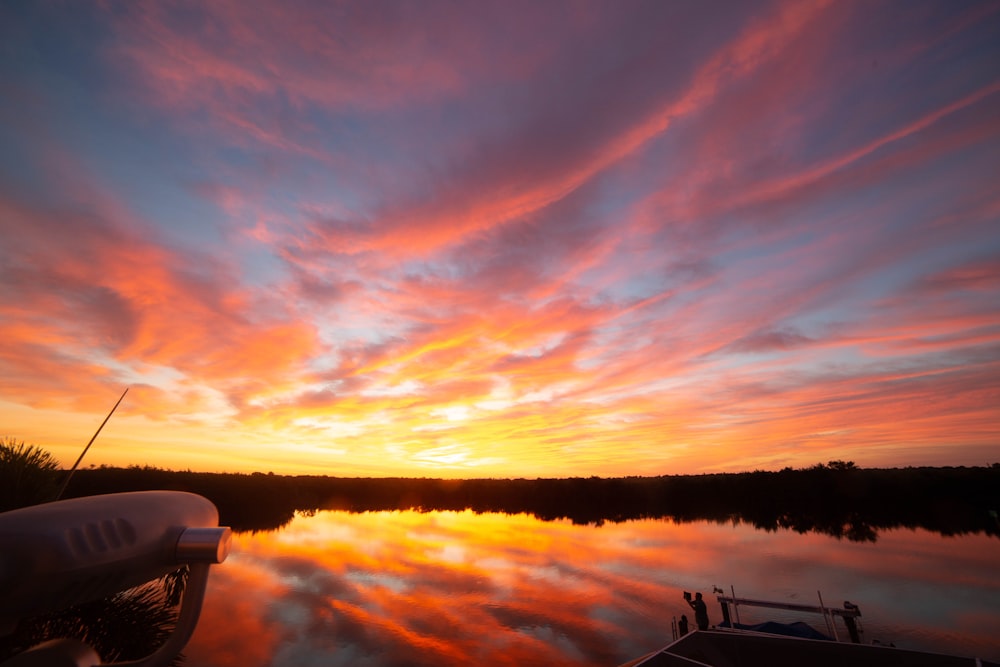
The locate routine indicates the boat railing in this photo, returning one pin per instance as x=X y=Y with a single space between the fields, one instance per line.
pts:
x=849 y=613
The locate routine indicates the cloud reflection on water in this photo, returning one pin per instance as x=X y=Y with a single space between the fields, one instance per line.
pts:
x=410 y=588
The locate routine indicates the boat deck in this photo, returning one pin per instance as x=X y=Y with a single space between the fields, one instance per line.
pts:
x=717 y=648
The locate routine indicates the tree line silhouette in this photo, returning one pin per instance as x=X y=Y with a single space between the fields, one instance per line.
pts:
x=837 y=498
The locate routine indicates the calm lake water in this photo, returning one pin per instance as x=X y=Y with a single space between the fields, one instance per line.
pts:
x=443 y=588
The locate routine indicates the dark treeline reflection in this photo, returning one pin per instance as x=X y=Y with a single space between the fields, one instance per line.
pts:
x=838 y=498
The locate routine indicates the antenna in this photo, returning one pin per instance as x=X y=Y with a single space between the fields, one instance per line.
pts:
x=84 y=452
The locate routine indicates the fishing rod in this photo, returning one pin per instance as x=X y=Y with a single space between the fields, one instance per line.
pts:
x=84 y=452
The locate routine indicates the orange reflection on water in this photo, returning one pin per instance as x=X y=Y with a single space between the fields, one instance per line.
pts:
x=233 y=630
x=410 y=588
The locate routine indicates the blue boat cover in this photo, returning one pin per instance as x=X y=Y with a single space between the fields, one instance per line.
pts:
x=796 y=629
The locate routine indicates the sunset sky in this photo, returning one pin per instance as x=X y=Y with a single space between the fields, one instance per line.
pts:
x=510 y=239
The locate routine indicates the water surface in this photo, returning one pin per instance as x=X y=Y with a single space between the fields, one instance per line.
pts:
x=433 y=588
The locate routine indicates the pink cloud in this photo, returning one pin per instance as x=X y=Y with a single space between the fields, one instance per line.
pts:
x=90 y=288
x=511 y=186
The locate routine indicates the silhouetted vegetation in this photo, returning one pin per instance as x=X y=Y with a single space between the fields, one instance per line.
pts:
x=28 y=474
x=838 y=498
